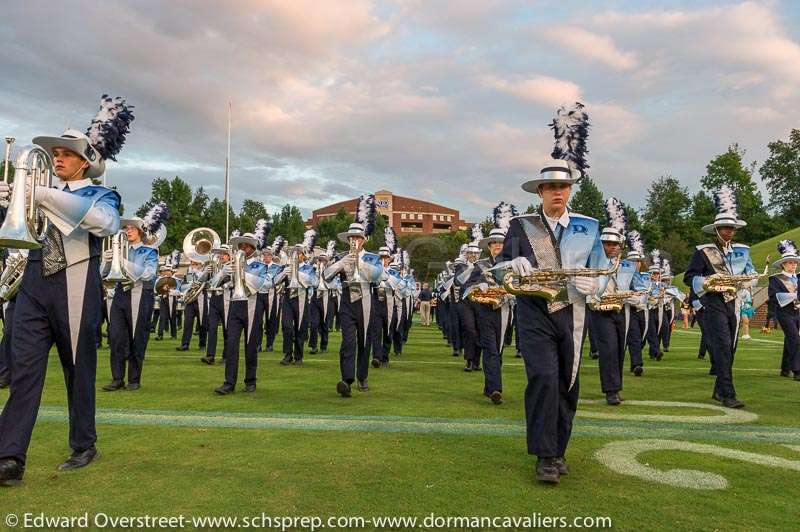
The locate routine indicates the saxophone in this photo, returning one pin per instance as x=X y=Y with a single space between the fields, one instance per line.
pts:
x=724 y=283
x=614 y=301
x=551 y=284
x=494 y=296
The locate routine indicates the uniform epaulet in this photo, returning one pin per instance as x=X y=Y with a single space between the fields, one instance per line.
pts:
x=704 y=246
x=576 y=215
x=740 y=246
x=526 y=215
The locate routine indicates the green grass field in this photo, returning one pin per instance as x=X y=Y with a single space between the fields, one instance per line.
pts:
x=424 y=440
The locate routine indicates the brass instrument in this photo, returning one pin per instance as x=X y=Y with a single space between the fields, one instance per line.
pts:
x=551 y=284
x=240 y=289
x=615 y=301
x=120 y=248
x=355 y=248
x=197 y=245
x=19 y=231
x=494 y=296
x=12 y=275
x=164 y=285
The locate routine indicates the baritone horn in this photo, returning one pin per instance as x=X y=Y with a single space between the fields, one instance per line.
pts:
x=240 y=289
x=33 y=168
x=120 y=248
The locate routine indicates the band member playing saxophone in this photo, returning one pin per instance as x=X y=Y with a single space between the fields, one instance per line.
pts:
x=133 y=300
x=467 y=320
x=272 y=316
x=551 y=331
x=357 y=270
x=783 y=291
x=715 y=273
x=58 y=301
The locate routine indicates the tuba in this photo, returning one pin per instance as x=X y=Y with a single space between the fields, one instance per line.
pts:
x=120 y=247
x=197 y=245
x=19 y=230
x=240 y=289
x=551 y=284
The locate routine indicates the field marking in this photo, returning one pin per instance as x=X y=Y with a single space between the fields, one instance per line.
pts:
x=729 y=416
x=589 y=424
x=694 y=333
x=622 y=457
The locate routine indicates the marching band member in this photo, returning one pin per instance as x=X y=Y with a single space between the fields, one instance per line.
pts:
x=655 y=306
x=491 y=319
x=551 y=332
x=198 y=308
x=168 y=298
x=398 y=281
x=467 y=318
x=611 y=325
x=637 y=326
x=383 y=312
x=454 y=296
x=320 y=302
x=272 y=321
x=670 y=295
x=244 y=310
x=218 y=306
x=132 y=303
x=298 y=279
x=356 y=270
x=783 y=290
x=59 y=299
x=710 y=264
x=9 y=301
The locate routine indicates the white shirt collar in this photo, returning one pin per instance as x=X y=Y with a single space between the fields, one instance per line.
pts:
x=136 y=245
x=563 y=220
x=74 y=185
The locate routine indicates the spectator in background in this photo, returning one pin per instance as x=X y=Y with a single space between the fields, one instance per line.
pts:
x=747 y=312
x=425 y=296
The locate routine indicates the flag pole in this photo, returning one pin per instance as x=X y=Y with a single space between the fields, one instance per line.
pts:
x=227 y=179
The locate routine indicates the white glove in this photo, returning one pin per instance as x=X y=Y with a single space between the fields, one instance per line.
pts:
x=5 y=194
x=483 y=287
x=585 y=285
x=208 y=268
x=521 y=266
x=107 y=255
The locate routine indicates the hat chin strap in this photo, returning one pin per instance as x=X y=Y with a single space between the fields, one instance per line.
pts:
x=720 y=239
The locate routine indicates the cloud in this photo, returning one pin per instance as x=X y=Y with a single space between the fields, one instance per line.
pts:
x=543 y=90
x=590 y=45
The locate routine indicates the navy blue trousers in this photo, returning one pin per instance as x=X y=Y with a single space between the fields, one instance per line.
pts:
x=128 y=343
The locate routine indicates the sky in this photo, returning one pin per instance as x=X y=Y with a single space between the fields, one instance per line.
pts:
x=446 y=101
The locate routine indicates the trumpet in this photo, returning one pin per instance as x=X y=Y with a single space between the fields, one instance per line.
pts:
x=120 y=248
x=240 y=289
x=614 y=301
x=12 y=275
x=33 y=168
x=551 y=284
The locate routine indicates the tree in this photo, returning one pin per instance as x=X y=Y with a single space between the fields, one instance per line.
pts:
x=290 y=224
x=250 y=213
x=214 y=217
x=328 y=228
x=702 y=213
x=729 y=169
x=634 y=223
x=588 y=200
x=664 y=227
x=781 y=173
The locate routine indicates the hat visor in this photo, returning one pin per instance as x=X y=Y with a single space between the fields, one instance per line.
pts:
x=344 y=236
x=484 y=242
x=778 y=263
x=79 y=146
x=532 y=186
x=712 y=228
x=221 y=250
x=130 y=221
x=235 y=241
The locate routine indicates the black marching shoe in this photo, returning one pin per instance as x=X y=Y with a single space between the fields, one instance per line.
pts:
x=732 y=402
x=594 y=355
x=496 y=397
x=659 y=356
x=561 y=464
x=79 y=459
x=786 y=373
x=363 y=386
x=323 y=350
x=477 y=367
x=468 y=366
x=385 y=364
x=223 y=390
x=113 y=386
x=613 y=399
x=298 y=362
x=716 y=397
x=285 y=361
x=314 y=351
x=547 y=470
x=638 y=370
x=455 y=353
x=343 y=389
x=133 y=386
x=11 y=472
x=4 y=382
x=376 y=363
x=518 y=355
x=269 y=349
x=208 y=360
x=182 y=348
x=158 y=338
x=249 y=388
x=701 y=356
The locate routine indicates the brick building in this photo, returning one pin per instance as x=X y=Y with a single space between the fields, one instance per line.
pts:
x=405 y=215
